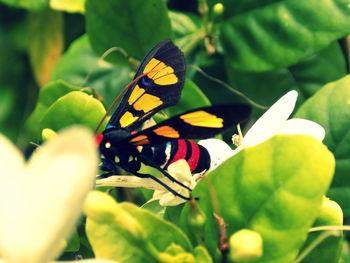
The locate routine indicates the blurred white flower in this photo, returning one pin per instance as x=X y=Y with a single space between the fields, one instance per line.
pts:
x=273 y=121
x=41 y=200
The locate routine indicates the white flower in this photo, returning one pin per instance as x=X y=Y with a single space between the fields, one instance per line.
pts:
x=41 y=200
x=181 y=171
x=273 y=121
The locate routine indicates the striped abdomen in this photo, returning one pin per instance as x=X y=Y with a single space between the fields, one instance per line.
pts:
x=166 y=153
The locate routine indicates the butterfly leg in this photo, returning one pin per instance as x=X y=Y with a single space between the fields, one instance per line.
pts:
x=162 y=184
x=105 y=175
x=164 y=172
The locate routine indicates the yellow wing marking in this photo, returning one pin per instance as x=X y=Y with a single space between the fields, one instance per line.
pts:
x=140 y=140
x=147 y=102
x=166 y=80
x=167 y=131
x=160 y=73
x=203 y=119
x=127 y=119
x=136 y=93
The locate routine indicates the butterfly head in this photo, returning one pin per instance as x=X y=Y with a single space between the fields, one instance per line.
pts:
x=114 y=150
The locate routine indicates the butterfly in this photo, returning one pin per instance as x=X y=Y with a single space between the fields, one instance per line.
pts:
x=157 y=84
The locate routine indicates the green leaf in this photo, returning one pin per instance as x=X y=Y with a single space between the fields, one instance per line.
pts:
x=318 y=69
x=202 y=255
x=73 y=108
x=82 y=67
x=183 y=24
x=283 y=33
x=17 y=90
x=330 y=107
x=138 y=28
x=306 y=77
x=154 y=207
x=275 y=188
x=187 y=30
x=47 y=96
x=345 y=257
x=71 y=6
x=73 y=243
x=34 y=5
x=45 y=43
x=329 y=243
x=109 y=242
x=191 y=97
x=328 y=251
x=7 y=102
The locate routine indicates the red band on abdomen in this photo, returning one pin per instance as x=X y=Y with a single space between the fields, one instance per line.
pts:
x=181 y=151
x=193 y=160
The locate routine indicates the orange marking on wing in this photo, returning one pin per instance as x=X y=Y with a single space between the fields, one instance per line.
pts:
x=140 y=140
x=167 y=131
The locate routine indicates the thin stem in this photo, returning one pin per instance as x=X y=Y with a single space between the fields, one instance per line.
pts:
x=322 y=228
x=104 y=55
x=229 y=88
x=319 y=239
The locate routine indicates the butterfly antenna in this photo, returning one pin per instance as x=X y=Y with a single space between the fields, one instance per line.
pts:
x=120 y=94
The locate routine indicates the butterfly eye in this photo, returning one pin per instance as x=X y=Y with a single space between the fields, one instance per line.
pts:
x=108 y=145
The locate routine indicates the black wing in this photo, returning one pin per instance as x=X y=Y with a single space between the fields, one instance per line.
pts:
x=201 y=123
x=160 y=88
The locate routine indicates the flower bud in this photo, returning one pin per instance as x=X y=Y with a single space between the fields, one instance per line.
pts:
x=203 y=7
x=218 y=9
x=196 y=217
x=175 y=253
x=100 y=207
x=47 y=134
x=330 y=213
x=245 y=246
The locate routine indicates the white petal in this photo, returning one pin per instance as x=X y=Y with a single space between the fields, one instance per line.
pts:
x=169 y=199
x=218 y=150
x=181 y=171
x=158 y=194
x=271 y=121
x=301 y=126
x=40 y=206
